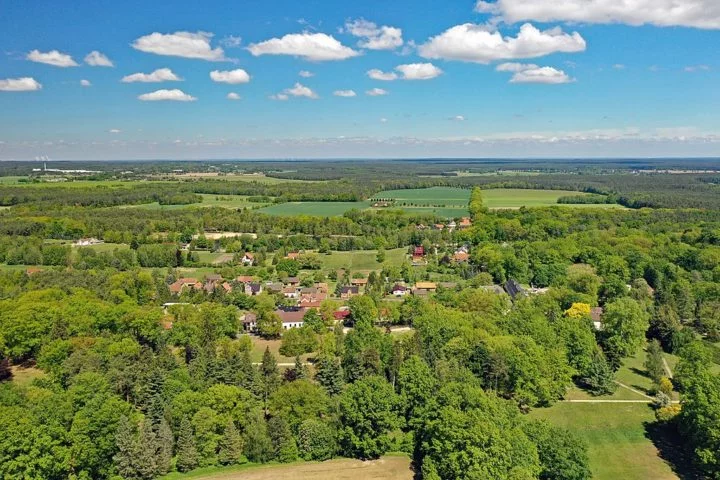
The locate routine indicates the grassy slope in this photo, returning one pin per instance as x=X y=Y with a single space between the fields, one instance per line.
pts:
x=616 y=435
x=364 y=260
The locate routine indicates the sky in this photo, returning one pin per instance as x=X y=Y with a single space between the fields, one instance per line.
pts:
x=108 y=80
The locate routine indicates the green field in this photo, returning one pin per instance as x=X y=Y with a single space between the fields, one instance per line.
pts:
x=321 y=209
x=209 y=200
x=445 y=202
x=363 y=259
x=619 y=447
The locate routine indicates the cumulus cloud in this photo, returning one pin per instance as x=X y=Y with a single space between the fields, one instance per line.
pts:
x=376 y=74
x=280 y=97
x=24 y=84
x=458 y=118
x=114 y=130
x=53 y=57
x=175 y=95
x=97 y=59
x=180 y=44
x=345 y=93
x=419 y=71
x=85 y=83
x=531 y=73
x=619 y=66
x=377 y=92
x=481 y=44
x=232 y=77
x=662 y=13
x=233 y=96
x=306 y=74
x=309 y=46
x=374 y=37
x=159 y=75
x=298 y=90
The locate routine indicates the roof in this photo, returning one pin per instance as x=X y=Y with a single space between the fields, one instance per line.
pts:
x=513 y=288
x=249 y=318
x=420 y=292
x=289 y=290
x=340 y=314
x=244 y=279
x=292 y=255
x=292 y=280
x=426 y=285
x=399 y=288
x=461 y=256
x=291 y=316
x=419 y=251
x=349 y=289
x=213 y=277
x=309 y=290
x=254 y=287
x=249 y=255
x=359 y=281
x=465 y=222
x=596 y=314
x=31 y=270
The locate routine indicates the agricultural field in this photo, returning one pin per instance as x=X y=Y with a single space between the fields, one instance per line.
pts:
x=362 y=260
x=322 y=209
x=389 y=467
x=619 y=437
x=209 y=200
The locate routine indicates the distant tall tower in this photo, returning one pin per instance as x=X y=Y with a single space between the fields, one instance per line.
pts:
x=44 y=166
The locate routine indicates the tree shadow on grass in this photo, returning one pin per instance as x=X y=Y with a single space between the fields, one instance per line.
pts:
x=638 y=371
x=671 y=449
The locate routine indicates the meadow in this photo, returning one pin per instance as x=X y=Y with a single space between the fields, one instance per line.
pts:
x=362 y=260
x=321 y=209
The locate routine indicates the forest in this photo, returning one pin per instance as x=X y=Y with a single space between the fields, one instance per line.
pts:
x=111 y=368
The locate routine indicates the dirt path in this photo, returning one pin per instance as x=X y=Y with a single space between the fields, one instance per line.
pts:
x=667 y=368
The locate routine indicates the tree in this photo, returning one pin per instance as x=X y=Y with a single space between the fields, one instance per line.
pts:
x=187 y=455
x=578 y=310
x=258 y=446
x=416 y=385
x=269 y=375
x=600 y=378
x=563 y=456
x=316 y=440
x=329 y=374
x=300 y=400
x=476 y=206
x=269 y=324
x=165 y=446
x=298 y=341
x=313 y=321
x=368 y=414
x=624 y=325
x=127 y=449
x=231 y=446
x=654 y=362
x=284 y=446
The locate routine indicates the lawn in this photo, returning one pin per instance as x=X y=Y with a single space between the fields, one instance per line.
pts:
x=364 y=260
x=260 y=344
x=389 y=467
x=619 y=447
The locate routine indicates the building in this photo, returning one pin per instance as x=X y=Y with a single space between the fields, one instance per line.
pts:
x=292 y=281
x=248 y=259
x=291 y=318
x=244 y=279
x=349 y=291
x=465 y=222
x=290 y=292
x=253 y=289
x=311 y=300
x=249 y=321
x=513 y=288
x=274 y=287
x=183 y=284
x=85 y=242
x=429 y=286
x=399 y=290
x=596 y=314
x=292 y=255
x=461 y=257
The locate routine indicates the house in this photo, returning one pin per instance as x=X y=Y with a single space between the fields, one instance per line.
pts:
x=461 y=257
x=244 y=279
x=85 y=242
x=439 y=226
x=248 y=259
x=419 y=251
x=292 y=281
x=399 y=290
x=349 y=291
x=291 y=318
x=313 y=300
x=513 y=288
x=274 y=287
x=322 y=287
x=465 y=222
x=309 y=291
x=341 y=314
x=253 y=289
x=596 y=314
x=214 y=281
x=290 y=292
x=452 y=225
x=429 y=286
x=360 y=282
x=249 y=321
x=185 y=283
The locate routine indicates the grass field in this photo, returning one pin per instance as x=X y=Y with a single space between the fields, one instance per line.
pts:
x=616 y=433
x=259 y=346
x=364 y=260
x=389 y=467
x=23 y=375
x=209 y=200
x=321 y=209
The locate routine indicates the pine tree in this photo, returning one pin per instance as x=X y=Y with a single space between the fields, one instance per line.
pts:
x=284 y=446
x=600 y=378
x=147 y=453
x=127 y=445
x=231 y=446
x=258 y=446
x=187 y=455
x=654 y=362
x=270 y=375
x=165 y=442
x=329 y=374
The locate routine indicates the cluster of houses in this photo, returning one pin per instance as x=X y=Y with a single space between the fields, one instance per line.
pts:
x=464 y=223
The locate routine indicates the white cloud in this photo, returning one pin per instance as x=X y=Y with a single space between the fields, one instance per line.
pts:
x=233 y=96
x=619 y=66
x=458 y=118
x=280 y=97
x=481 y=44
x=374 y=37
x=661 y=13
x=377 y=92
x=531 y=73
x=310 y=46
x=345 y=93
x=306 y=74
x=419 y=71
x=114 y=130
x=53 y=57
x=180 y=44
x=85 y=83
x=300 y=90
x=172 y=95
x=24 y=84
x=231 y=41
x=232 y=77
x=97 y=59
x=696 y=68
x=376 y=74
x=159 y=75
x=383 y=120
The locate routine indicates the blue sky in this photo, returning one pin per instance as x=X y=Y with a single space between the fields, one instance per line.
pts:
x=510 y=78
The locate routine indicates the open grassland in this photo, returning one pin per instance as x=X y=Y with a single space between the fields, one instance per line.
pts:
x=618 y=436
x=260 y=344
x=24 y=375
x=518 y=197
x=362 y=260
x=319 y=209
x=389 y=467
x=208 y=200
